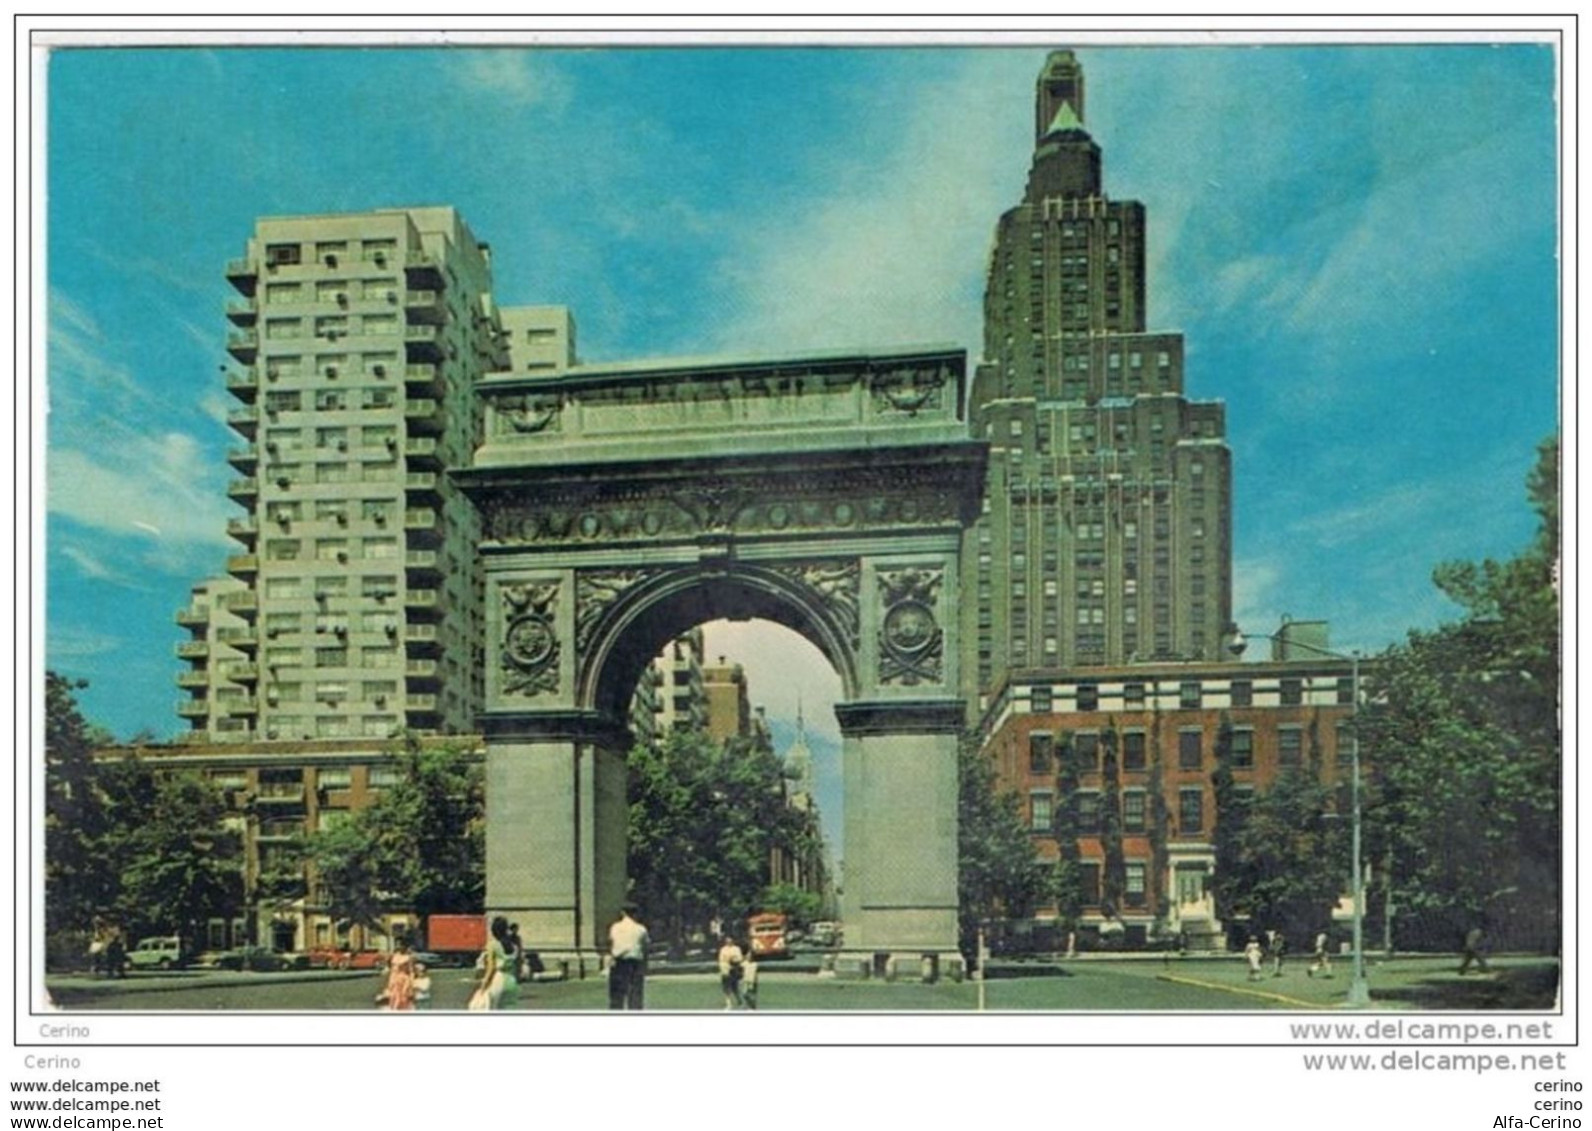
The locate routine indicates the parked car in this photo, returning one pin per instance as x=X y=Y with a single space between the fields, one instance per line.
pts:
x=329 y=957
x=366 y=960
x=257 y=958
x=160 y=953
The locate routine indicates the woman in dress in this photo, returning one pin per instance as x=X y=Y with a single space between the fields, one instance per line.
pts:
x=400 y=991
x=502 y=989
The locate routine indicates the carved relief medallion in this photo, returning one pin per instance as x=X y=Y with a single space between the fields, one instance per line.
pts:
x=595 y=593
x=911 y=643
x=530 y=639
x=527 y=414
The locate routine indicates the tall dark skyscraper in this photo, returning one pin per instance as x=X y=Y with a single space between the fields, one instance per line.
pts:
x=1107 y=535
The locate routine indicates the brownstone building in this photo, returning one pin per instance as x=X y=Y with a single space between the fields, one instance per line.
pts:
x=1164 y=722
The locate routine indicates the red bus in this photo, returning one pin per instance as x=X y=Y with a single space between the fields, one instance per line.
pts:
x=767 y=932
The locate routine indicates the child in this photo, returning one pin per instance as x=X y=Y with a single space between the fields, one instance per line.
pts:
x=749 y=977
x=1253 y=956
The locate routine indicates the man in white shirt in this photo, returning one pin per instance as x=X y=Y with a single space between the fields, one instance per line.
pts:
x=627 y=952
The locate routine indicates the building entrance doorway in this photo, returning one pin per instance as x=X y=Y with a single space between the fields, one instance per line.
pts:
x=620 y=506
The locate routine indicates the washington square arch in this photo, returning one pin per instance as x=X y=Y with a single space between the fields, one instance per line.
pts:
x=621 y=505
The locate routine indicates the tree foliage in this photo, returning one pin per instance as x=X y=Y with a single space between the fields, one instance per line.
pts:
x=704 y=821
x=998 y=875
x=1462 y=727
x=79 y=881
x=420 y=846
x=1066 y=880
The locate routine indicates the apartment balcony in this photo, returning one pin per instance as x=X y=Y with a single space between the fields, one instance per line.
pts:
x=243 y=274
x=245 y=530
x=243 y=384
x=243 y=565
x=244 y=673
x=243 y=311
x=425 y=306
x=194 y=677
x=244 y=345
x=279 y=793
x=248 y=705
x=193 y=649
x=424 y=415
x=245 y=460
x=422 y=452
x=423 y=379
x=424 y=269
x=423 y=563
x=193 y=708
x=423 y=486
x=423 y=704
x=194 y=616
x=245 y=420
x=423 y=672
x=422 y=637
x=244 y=491
x=424 y=603
x=424 y=343
x=243 y=604
x=424 y=528
x=241 y=637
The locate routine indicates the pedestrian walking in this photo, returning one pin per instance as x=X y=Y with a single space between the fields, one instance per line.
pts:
x=627 y=955
x=1253 y=956
x=1279 y=949
x=422 y=986
x=1472 y=951
x=399 y=993
x=518 y=956
x=749 y=966
x=732 y=963
x=496 y=988
x=1323 y=957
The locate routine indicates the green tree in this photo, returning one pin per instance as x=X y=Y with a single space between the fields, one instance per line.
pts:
x=799 y=905
x=1462 y=728
x=704 y=821
x=79 y=881
x=420 y=846
x=998 y=875
x=1066 y=881
x=1114 y=867
x=180 y=866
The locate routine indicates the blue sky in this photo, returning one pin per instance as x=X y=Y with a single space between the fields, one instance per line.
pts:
x=1358 y=242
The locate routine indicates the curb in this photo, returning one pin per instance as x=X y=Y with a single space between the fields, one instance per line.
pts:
x=1244 y=991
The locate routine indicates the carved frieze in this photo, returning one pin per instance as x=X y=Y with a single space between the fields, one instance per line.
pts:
x=837 y=585
x=595 y=593
x=528 y=414
x=639 y=511
x=530 y=650
x=911 y=643
x=909 y=390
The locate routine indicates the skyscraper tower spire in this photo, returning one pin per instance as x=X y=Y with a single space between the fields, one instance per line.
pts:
x=1106 y=535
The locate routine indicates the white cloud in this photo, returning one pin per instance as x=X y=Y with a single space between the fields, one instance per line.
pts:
x=894 y=252
x=164 y=481
x=516 y=77
x=93 y=567
x=68 y=643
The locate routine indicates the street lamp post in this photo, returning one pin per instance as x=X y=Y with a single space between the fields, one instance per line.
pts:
x=1359 y=989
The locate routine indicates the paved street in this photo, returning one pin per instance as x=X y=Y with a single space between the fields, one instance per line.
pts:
x=1203 y=985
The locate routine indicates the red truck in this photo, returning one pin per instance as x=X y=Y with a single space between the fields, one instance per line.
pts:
x=456 y=938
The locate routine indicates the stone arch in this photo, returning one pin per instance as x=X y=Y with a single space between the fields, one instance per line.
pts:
x=655 y=608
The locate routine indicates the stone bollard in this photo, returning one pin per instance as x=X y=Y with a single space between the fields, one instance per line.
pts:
x=929 y=971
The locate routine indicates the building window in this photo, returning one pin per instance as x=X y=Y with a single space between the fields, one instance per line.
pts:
x=1039 y=700
x=1133 y=888
x=1133 y=747
x=1086 y=749
x=1190 y=749
x=1041 y=817
x=1189 y=694
x=334 y=778
x=1088 y=802
x=1243 y=749
x=1242 y=692
x=1190 y=811
x=1041 y=745
x=1089 y=882
x=1133 y=694
x=1345 y=690
x=1133 y=811
x=1088 y=697
x=1290 y=746
x=382 y=777
x=1344 y=736
x=1292 y=692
